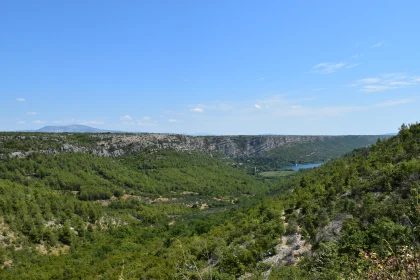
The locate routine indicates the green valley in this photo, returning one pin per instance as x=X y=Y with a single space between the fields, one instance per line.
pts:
x=209 y=140
x=164 y=213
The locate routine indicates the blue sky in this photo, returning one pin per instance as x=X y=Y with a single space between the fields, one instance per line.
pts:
x=219 y=67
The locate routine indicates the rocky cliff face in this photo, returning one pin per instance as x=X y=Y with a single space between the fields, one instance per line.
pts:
x=20 y=145
x=231 y=146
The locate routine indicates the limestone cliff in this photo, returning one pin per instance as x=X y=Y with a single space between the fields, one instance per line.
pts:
x=22 y=144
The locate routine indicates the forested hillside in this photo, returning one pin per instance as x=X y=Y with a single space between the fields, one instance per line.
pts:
x=319 y=150
x=180 y=215
x=360 y=213
x=151 y=173
x=54 y=205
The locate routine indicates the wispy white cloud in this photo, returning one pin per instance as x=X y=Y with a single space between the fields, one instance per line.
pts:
x=352 y=65
x=21 y=122
x=214 y=106
x=289 y=109
x=261 y=79
x=172 y=120
x=333 y=111
x=145 y=122
x=282 y=106
x=375 y=88
x=21 y=99
x=31 y=113
x=400 y=83
x=386 y=82
x=378 y=44
x=126 y=118
x=319 y=89
x=394 y=102
x=332 y=67
x=369 y=80
x=197 y=110
x=38 y=122
x=328 y=67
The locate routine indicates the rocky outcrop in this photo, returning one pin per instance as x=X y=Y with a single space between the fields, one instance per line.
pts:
x=20 y=154
x=231 y=146
x=331 y=232
x=118 y=144
x=72 y=148
x=289 y=250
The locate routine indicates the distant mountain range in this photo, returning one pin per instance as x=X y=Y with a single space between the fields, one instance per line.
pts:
x=73 y=128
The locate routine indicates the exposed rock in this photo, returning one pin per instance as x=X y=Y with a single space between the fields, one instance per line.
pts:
x=118 y=144
x=118 y=153
x=103 y=153
x=20 y=154
x=74 y=149
x=331 y=232
x=288 y=252
x=49 y=152
x=291 y=247
x=232 y=146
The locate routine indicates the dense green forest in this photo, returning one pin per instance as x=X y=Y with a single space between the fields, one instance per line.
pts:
x=163 y=214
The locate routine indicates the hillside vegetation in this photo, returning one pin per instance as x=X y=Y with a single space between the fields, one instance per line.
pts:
x=52 y=206
x=179 y=215
x=318 y=150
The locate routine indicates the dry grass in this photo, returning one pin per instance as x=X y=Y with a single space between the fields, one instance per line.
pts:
x=53 y=251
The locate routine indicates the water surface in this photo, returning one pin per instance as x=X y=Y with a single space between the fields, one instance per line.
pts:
x=302 y=166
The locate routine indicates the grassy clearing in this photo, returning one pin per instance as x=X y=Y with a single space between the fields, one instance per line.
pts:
x=277 y=174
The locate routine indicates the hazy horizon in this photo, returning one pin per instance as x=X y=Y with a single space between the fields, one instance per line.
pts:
x=184 y=133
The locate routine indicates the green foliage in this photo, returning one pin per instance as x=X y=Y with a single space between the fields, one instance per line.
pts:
x=319 y=150
x=92 y=215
